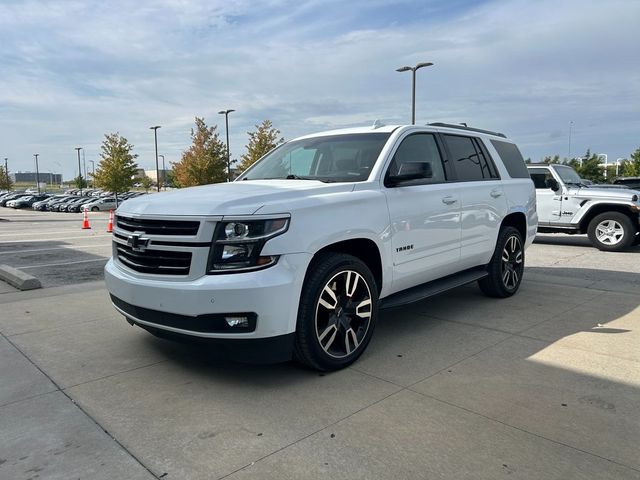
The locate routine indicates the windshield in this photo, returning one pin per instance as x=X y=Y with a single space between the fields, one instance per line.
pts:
x=335 y=158
x=569 y=175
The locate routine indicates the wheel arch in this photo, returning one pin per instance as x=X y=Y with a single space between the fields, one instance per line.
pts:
x=603 y=208
x=364 y=249
x=517 y=220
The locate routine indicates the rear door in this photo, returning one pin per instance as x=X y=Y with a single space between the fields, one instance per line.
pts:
x=482 y=200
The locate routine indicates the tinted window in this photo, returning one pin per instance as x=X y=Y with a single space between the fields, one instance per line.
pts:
x=540 y=177
x=421 y=147
x=469 y=160
x=512 y=159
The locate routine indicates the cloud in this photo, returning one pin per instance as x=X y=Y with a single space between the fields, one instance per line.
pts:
x=74 y=70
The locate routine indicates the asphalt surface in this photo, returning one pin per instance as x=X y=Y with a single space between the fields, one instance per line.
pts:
x=543 y=385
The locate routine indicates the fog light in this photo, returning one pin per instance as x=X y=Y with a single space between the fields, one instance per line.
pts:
x=237 y=321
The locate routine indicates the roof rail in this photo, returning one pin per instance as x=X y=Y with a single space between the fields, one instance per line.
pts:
x=463 y=127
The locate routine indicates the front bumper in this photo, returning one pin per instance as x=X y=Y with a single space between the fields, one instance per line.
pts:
x=272 y=295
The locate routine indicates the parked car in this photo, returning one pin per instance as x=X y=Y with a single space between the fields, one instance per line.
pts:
x=13 y=196
x=628 y=182
x=26 y=202
x=609 y=216
x=79 y=206
x=297 y=255
x=103 y=203
x=42 y=205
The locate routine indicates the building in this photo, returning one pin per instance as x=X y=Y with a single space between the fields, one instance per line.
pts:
x=30 y=177
x=152 y=174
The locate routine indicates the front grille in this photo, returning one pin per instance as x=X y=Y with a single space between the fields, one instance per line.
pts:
x=158 y=227
x=154 y=261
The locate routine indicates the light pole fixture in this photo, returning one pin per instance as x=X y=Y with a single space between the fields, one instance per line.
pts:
x=155 y=136
x=164 y=174
x=570 y=128
x=79 y=169
x=37 y=173
x=226 y=121
x=413 y=85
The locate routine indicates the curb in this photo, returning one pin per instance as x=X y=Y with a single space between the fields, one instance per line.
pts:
x=19 y=279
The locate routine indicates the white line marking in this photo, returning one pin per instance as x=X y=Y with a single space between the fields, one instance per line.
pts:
x=31 y=232
x=70 y=247
x=55 y=238
x=66 y=263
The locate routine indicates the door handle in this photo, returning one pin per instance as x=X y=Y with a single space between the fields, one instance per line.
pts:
x=449 y=200
x=495 y=193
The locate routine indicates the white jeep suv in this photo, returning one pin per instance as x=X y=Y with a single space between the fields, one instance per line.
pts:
x=296 y=256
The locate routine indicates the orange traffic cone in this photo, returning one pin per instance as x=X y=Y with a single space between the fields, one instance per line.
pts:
x=85 y=221
x=110 y=224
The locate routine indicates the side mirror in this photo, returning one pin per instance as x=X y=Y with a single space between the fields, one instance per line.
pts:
x=411 y=171
x=552 y=183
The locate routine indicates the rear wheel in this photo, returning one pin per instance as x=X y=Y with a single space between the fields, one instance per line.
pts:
x=337 y=313
x=611 y=231
x=506 y=267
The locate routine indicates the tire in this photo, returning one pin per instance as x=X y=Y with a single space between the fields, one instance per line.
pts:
x=94 y=209
x=611 y=231
x=506 y=268
x=337 y=312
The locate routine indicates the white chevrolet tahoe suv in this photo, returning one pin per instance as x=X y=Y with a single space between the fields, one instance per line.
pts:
x=296 y=256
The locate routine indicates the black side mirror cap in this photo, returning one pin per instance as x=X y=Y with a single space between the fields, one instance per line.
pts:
x=552 y=183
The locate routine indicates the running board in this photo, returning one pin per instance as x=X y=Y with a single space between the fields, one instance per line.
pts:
x=429 y=289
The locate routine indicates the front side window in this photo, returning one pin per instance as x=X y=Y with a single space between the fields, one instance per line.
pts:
x=334 y=158
x=470 y=161
x=540 y=177
x=420 y=147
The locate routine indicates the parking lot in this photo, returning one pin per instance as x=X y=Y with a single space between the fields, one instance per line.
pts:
x=543 y=385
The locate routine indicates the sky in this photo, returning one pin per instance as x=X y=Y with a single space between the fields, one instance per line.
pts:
x=543 y=72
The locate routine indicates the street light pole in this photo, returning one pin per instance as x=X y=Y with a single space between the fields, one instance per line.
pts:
x=37 y=173
x=93 y=173
x=155 y=136
x=226 y=121
x=6 y=170
x=79 y=169
x=164 y=174
x=413 y=86
x=570 y=127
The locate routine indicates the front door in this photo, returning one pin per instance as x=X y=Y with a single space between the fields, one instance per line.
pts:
x=548 y=202
x=424 y=216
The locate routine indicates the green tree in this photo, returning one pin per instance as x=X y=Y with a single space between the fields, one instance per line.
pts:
x=631 y=167
x=262 y=141
x=80 y=182
x=590 y=168
x=549 y=159
x=204 y=162
x=146 y=183
x=117 y=166
x=170 y=179
x=5 y=180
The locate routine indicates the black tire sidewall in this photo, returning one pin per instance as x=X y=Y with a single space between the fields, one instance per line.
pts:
x=320 y=272
x=493 y=284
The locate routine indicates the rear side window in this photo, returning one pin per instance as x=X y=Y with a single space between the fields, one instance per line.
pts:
x=512 y=159
x=470 y=160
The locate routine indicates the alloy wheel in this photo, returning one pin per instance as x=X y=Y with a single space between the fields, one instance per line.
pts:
x=512 y=264
x=343 y=314
x=609 y=232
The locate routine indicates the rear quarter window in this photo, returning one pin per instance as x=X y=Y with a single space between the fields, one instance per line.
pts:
x=512 y=159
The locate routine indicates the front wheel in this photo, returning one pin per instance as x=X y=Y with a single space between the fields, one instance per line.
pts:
x=506 y=267
x=337 y=313
x=94 y=209
x=611 y=231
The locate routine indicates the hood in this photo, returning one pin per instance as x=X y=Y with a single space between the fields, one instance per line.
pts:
x=234 y=198
x=593 y=192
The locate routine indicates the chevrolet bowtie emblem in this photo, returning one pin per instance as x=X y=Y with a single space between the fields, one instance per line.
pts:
x=137 y=242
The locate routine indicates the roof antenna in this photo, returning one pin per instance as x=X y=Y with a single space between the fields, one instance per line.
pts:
x=463 y=124
x=377 y=124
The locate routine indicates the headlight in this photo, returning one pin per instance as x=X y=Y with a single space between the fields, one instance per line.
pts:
x=237 y=244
